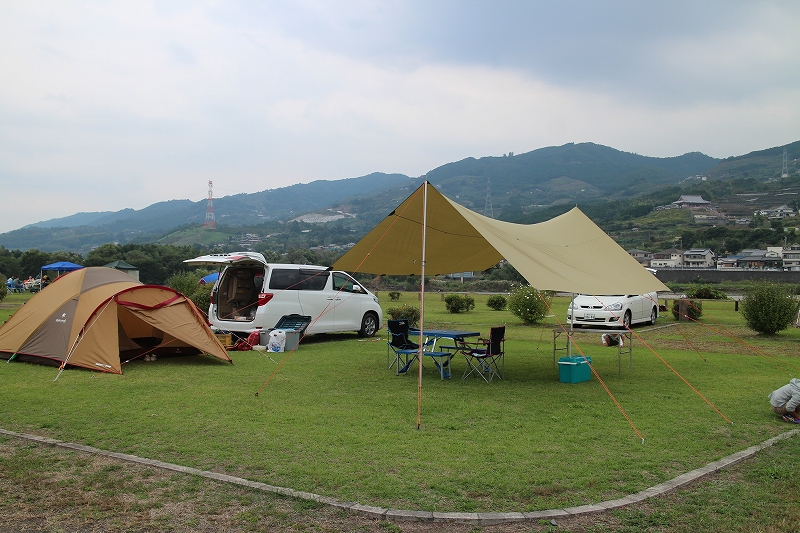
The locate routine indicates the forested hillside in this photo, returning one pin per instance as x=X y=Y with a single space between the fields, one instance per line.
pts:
x=614 y=188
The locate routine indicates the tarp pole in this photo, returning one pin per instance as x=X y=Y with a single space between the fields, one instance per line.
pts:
x=422 y=301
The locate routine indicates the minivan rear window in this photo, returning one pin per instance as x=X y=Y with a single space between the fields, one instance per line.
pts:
x=298 y=279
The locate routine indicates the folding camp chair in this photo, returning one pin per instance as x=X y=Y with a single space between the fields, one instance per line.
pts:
x=485 y=357
x=405 y=351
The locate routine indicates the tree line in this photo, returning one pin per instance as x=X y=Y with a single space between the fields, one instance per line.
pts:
x=156 y=262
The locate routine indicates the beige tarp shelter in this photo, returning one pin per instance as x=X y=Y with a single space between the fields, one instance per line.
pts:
x=568 y=253
x=430 y=234
x=98 y=317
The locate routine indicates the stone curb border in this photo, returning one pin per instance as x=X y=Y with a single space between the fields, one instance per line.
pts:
x=397 y=515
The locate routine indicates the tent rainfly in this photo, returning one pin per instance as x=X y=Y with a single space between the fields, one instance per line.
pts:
x=94 y=317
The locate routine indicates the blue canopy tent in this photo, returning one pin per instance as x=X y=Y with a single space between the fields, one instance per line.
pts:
x=211 y=278
x=60 y=268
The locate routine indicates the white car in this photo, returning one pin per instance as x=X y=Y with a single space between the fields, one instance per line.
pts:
x=613 y=310
x=252 y=295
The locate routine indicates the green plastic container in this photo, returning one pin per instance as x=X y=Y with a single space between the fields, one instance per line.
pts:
x=574 y=369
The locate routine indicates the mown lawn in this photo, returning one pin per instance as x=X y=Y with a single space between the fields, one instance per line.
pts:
x=335 y=421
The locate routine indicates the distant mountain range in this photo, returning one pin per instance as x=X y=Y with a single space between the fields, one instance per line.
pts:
x=572 y=173
x=236 y=210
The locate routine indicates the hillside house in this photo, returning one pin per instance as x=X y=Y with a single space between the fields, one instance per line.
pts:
x=760 y=259
x=699 y=258
x=642 y=256
x=669 y=258
x=783 y=211
x=729 y=263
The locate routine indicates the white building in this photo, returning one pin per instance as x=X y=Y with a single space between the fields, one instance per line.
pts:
x=791 y=257
x=669 y=258
x=699 y=258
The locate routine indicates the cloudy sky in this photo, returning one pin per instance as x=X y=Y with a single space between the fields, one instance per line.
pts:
x=113 y=104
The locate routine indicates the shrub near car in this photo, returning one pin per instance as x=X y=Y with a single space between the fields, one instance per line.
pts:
x=252 y=295
x=613 y=310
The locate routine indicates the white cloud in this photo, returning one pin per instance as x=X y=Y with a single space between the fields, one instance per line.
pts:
x=114 y=105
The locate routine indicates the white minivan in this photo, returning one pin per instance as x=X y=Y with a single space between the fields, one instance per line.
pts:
x=252 y=295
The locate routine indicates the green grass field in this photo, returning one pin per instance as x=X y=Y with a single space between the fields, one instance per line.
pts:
x=335 y=421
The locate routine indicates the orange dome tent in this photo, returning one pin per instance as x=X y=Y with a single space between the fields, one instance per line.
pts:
x=99 y=317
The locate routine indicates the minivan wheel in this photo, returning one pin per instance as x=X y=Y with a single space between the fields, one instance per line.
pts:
x=369 y=325
x=653 y=316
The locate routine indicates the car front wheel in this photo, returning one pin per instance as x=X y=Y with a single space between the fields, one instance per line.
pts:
x=369 y=325
x=653 y=316
x=626 y=320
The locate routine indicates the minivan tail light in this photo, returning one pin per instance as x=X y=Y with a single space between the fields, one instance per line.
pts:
x=264 y=297
x=214 y=298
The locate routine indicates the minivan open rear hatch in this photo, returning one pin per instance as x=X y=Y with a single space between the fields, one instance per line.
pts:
x=221 y=260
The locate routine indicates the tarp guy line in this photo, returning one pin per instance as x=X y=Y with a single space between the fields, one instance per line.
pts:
x=298 y=342
x=596 y=374
x=727 y=333
x=275 y=371
x=689 y=342
x=671 y=368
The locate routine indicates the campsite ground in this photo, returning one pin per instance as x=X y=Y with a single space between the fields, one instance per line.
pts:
x=43 y=489
x=336 y=422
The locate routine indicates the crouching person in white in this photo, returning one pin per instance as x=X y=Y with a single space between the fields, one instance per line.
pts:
x=786 y=401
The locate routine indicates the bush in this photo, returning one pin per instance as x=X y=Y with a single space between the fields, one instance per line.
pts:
x=394 y=296
x=185 y=283
x=456 y=303
x=3 y=291
x=706 y=292
x=528 y=304
x=405 y=311
x=489 y=285
x=497 y=302
x=202 y=296
x=769 y=307
x=694 y=309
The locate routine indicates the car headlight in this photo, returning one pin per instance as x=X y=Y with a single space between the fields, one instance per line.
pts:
x=375 y=298
x=613 y=307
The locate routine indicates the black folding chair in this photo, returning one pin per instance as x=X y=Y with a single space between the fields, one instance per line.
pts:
x=405 y=351
x=486 y=357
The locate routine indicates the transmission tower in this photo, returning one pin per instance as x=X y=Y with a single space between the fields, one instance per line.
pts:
x=487 y=208
x=785 y=171
x=211 y=222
